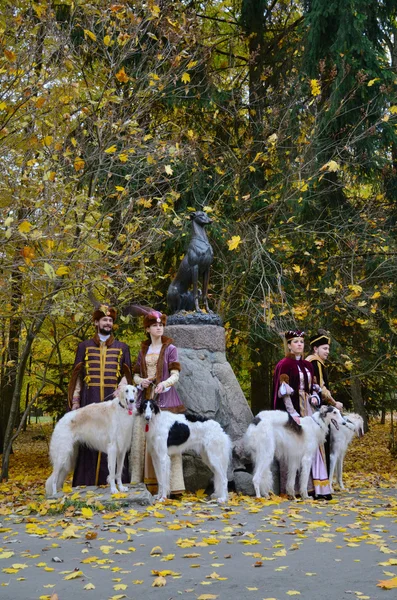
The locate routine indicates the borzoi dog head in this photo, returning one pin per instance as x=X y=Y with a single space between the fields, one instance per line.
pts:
x=330 y=414
x=127 y=397
x=355 y=423
x=148 y=408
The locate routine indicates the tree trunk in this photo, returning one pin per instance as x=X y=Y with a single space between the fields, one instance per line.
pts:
x=357 y=399
x=262 y=376
x=10 y=370
x=254 y=26
x=383 y=415
x=20 y=372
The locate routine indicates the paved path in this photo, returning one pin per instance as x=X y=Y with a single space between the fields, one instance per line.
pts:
x=321 y=551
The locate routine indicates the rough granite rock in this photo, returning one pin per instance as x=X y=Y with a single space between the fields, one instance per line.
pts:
x=243 y=483
x=196 y=474
x=198 y=337
x=208 y=386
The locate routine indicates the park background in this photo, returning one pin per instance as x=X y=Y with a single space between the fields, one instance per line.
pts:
x=277 y=118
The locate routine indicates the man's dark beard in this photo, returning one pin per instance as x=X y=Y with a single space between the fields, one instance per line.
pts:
x=103 y=331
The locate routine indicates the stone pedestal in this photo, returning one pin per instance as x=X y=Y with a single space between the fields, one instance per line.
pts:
x=208 y=385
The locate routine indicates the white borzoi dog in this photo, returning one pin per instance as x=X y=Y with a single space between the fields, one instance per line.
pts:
x=168 y=433
x=275 y=434
x=339 y=442
x=105 y=427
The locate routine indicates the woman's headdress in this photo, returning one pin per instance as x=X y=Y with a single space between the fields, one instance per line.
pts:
x=150 y=316
x=294 y=333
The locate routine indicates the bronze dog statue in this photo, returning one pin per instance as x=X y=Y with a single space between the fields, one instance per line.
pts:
x=195 y=264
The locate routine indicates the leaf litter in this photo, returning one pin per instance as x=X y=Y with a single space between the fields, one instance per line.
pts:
x=103 y=537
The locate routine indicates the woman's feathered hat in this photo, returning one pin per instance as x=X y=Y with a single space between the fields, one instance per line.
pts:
x=150 y=316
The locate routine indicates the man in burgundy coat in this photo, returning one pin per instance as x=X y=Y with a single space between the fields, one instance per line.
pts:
x=101 y=364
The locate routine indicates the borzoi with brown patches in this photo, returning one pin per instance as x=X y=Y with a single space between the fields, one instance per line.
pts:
x=168 y=434
x=105 y=427
x=340 y=440
x=275 y=434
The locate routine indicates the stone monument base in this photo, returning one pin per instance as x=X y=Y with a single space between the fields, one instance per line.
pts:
x=208 y=387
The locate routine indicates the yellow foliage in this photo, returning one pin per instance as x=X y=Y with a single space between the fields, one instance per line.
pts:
x=315 y=87
x=122 y=76
x=234 y=242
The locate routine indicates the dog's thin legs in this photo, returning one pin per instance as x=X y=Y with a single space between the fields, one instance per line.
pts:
x=195 y=274
x=64 y=459
x=304 y=476
x=262 y=479
x=219 y=469
x=291 y=477
x=206 y=278
x=162 y=469
x=63 y=473
x=112 y=451
x=332 y=465
x=120 y=465
x=340 y=471
x=167 y=476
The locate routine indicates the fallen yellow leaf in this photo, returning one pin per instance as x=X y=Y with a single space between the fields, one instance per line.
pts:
x=74 y=575
x=159 y=582
x=388 y=584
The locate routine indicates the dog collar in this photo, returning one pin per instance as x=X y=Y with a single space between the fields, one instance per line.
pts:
x=125 y=408
x=318 y=422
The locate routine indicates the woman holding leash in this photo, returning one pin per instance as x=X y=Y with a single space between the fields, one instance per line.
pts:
x=319 y=346
x=155 y=373
x=294 y=391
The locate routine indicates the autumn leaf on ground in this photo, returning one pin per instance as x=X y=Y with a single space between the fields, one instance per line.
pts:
x=159 y=582
x=157 y=550
x=388 y=584
x=74 y=575
x=215 y=575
